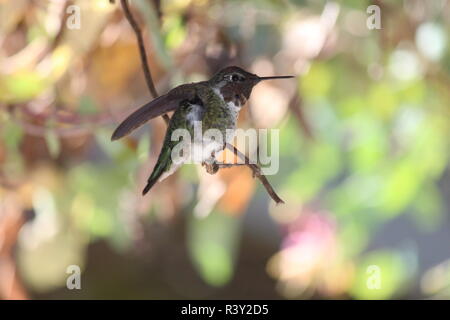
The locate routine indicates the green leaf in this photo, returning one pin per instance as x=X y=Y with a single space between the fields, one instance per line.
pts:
x=369 y=145
x=383 y=100
x=176 y=32
x=12 y=134
x=317 y=82
x=428 y=208
x=21 y=87
x=143 y=148
x=402 y=184
x=53 y=143
x=87 y=105
x=351 y=105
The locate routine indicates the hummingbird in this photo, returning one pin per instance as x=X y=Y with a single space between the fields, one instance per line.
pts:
x=214 y=103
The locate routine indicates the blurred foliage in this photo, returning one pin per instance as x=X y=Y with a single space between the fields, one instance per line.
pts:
x=367 y=142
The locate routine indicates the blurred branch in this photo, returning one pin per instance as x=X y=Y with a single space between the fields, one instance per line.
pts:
x=143 y=54
x=157 y=5
x=78 y=125
x=295 y=105
x=256 y=173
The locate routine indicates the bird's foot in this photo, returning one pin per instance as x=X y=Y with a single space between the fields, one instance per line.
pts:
x=256 y=171
x=211 y=167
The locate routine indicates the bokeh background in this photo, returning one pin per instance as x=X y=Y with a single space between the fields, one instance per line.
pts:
x=364 y=152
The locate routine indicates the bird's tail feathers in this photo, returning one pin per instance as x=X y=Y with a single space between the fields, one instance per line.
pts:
x=150 y=184
x=162 y=165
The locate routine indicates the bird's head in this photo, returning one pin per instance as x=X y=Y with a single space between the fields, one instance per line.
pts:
x=238 y=80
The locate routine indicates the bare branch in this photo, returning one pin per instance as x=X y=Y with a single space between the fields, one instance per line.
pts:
x=296 y=107
x=143 y=54
x=256 y=173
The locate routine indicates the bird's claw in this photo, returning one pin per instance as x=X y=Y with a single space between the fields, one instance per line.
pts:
x=211 y=168
x=256 y=172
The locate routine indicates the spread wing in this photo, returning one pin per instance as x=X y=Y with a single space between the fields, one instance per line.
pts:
x=155 y=108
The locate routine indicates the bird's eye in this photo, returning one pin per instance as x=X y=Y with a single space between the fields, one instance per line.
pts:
x=235 y=78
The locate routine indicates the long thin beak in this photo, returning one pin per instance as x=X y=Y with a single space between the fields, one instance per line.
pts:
x=274 y=77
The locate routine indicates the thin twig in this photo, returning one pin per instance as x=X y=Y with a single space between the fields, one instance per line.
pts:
x=296 y=107
x=143 y=54
x=256 y=173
